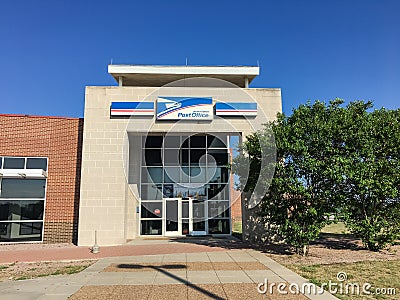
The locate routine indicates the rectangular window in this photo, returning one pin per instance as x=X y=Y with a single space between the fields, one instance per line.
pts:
x=218 y=191
x=216 y=142
x=151 y=227
x=36 y=163
x=198 y=141
x=218 y=174
x=198 y=175
x=185 y=142
x=151 y=210
x=218 y=209
x=14 y=163
x=151 y=192
x=21 y=232
x=153 y=141
x=152 y=157
x=172 y=175
x=30 y=228
x=198 y=157
x=184 y=157
x=152 y=175
x=219 y=157
x=12 y=210
x=171 y=157
x=219 y=226
x=22 y=188
x=172 y=141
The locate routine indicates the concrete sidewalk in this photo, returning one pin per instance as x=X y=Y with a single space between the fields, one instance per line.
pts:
x=232 y=274
x=138 y=247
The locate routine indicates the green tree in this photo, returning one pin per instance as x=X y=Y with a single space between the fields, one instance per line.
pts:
x=331 y=160
x=298 y=198
x=371 y=182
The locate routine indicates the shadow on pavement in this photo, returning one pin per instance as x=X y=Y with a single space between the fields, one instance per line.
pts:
x=162 y=269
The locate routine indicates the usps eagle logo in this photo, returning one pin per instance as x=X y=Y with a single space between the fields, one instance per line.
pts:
x=167 y=105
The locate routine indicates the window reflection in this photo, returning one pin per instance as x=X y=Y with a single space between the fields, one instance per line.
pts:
x=22 y=188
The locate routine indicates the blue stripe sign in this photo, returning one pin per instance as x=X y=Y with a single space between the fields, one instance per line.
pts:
x=236 y=109
x=184 y=108
x=132 y=108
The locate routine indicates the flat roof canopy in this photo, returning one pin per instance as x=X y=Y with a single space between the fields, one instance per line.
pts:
x=137 y=75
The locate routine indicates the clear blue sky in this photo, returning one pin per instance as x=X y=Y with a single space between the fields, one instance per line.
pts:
x=312 y=49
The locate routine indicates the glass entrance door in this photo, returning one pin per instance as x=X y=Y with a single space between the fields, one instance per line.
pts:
x=173 y=226
x=184 y=216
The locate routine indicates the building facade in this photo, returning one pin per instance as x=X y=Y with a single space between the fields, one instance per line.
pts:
x=40 y=160
x=157 y=150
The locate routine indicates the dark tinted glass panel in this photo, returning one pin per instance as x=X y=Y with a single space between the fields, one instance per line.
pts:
x=184 y=157
x=151 y=192
x=218 y=175
x=154 y=142
x=152 y=175
x=1 y=162
x=171 y=157
x=153 y=157
x=198 y=209
x=36 y=163
x=185 y=142
x=21 y=210
x=185 y=209
x=218 y=191
x=151 y=227
x=219 y=226
x=185 y=226
x=23 y=188
x=198 y=141
x=151 y=210
x=215 y=142
x=198 y=174
x=172 y=141
x=21 y=232
x=14 y=163
x=30 y=228
x=172 y=175
x=198 y=156
x=218 y=209
x=199 y=225
x=185 y=174
x=220 y=157
x=171 y=225
x=171 y=215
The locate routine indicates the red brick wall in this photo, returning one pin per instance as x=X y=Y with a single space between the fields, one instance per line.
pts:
x=236 y=204
x=236 y=200
x=59 y=139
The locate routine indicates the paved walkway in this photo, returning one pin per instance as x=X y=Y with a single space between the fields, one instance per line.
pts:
x=137 y=247
x=228 y=274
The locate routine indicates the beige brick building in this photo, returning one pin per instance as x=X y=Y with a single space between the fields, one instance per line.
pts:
x=155 y=150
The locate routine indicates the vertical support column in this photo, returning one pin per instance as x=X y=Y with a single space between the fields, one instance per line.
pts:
x=246 y=82
x=120 y=80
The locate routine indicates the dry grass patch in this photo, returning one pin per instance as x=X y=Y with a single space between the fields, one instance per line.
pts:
x=22 y=271
x=380 y=274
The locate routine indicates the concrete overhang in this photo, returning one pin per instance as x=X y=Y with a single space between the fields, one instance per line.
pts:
x=155 y=76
